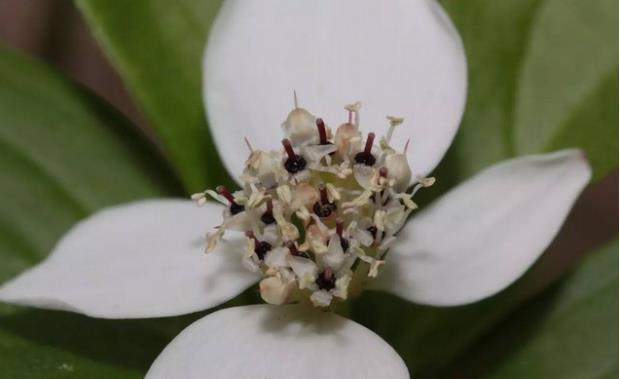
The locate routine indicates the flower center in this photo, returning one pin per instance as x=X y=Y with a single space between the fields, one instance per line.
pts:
x=320 y=215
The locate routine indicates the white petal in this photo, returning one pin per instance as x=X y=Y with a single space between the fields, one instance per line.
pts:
x=484 y=234
x=395 y=56
x=277 y=342
x=143 y=259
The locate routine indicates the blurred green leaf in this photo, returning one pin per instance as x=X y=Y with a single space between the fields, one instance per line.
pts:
x=157 y=47
x=50 y=345
x=430 y=339
x=63 y=155
x=570 y=331
x=433 y=340
x=571 y=58
x=542 y=76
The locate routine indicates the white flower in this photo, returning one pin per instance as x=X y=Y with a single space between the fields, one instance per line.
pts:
x=145 y=259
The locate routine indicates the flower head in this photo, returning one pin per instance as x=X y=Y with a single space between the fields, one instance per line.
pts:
x=321 y=213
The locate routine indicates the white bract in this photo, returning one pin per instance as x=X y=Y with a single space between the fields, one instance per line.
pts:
x=326 y=214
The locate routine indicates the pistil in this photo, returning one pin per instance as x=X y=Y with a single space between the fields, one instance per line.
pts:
x=366 y=157
x=294 y=163
x=320 y=125
x=234 y=206
x=344 y=243
x=267 y=217
x=324 y=208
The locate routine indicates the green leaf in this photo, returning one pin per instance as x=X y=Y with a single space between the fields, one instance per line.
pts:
x=63 y=155
x=429 y=339
x=536 y=68
x=571 y=58
x=157 y=47
x=46 y=345
x=570 y=331
x=495 y=37
x=433 y=341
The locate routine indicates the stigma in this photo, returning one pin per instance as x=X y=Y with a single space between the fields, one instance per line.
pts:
x=320 y=213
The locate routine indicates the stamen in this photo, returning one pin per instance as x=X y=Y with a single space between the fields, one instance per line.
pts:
x=234 y=207
x=394 y=122
x=294 y=163
x=323 y=208
x=260 y=247
x=383 y=171
x=366 y=157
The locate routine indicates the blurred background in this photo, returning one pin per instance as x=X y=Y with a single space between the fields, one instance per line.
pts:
x=55 y=32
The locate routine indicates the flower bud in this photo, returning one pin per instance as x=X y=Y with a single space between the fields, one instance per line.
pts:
x=300 y=127
x=305 y=195
x=274 y=291
x=344 y=133
x=398 y=170
x=261 y=165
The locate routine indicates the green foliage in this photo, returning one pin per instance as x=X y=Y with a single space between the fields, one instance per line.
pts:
x=463 y=341
x=63 y=154
x=542 y=76
x=157 y=47
x=570 y=331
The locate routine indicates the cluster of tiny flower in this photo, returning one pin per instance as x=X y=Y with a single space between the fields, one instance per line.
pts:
x=320 y=215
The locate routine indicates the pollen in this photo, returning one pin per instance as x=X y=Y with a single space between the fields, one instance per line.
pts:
x=320 y=213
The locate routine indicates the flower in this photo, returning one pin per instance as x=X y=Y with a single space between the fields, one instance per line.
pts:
x=145 y=259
